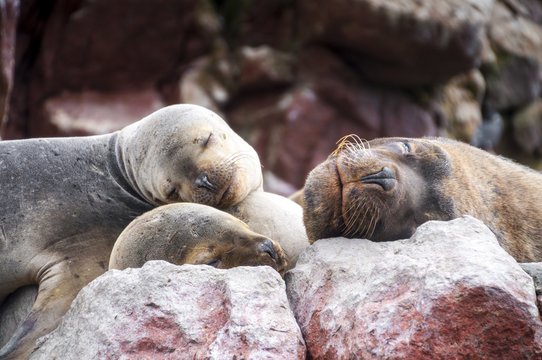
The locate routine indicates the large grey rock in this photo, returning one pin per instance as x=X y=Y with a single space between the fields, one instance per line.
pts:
x=448 y=292
x=163 y=311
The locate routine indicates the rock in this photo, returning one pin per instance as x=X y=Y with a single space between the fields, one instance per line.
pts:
x=460 y=102
x=295 y=130
x=514 y=79
x=255 y=23
x=264 y=67
x=448 y=292
x=276 y=217
x=82 y=47
x=489 y=133
x=98 y=45
x=164 y=311
x=94 y=113
x=204 y=83
x=535 y=271
x=527 y=125
x=9 y=13
x=407 y=43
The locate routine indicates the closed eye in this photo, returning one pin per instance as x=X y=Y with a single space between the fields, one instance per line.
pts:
x=214 y=263
x=208 y=140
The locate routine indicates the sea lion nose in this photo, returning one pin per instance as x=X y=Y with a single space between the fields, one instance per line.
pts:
x=267 y=247
x=203 y=181
x=385 y=178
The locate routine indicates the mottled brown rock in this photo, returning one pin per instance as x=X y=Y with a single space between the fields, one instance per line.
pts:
x=400 y=43
x=449 y=292
x=460 y=101
x=94 y=113
x=264 y=67
x=255 y=23
x=527 y=124
x=514 y=79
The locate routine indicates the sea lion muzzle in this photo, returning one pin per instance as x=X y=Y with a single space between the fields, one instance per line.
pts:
x=385 y=178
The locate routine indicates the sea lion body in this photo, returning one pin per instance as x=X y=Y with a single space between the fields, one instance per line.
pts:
x=187 y=233
x=276 y=217
x=382 y=190
x=64 y=201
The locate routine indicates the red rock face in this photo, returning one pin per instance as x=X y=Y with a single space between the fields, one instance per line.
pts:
x=449 y=292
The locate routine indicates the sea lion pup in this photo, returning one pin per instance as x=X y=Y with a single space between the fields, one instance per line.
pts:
x=187 y=233
x=64 y=201
x=276 y=217
x=382 y=190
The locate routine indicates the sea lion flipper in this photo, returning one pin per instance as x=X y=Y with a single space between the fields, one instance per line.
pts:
x=60 y=282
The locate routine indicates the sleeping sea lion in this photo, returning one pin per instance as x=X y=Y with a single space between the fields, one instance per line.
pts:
x=64 y=201
x=188 y=233
x=384 y=189
x=276 y=217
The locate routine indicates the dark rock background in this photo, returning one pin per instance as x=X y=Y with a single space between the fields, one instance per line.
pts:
x=291 y=76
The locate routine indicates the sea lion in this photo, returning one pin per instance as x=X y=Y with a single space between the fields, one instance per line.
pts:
x=188 y=233
x=384 y=189
x=64 y=201
x=276 y=217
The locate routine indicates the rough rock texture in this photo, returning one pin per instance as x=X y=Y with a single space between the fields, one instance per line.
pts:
x=400 y=43
x=461 y=98
x=448 y=292
x=164 y=311
x=528 y=128
x=535 y=271
x=514 y=79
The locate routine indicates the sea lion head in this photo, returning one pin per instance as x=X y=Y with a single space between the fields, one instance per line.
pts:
x=186 y=153
x=379 y=190
x=189 y=233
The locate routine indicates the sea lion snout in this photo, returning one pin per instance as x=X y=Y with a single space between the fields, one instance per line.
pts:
x=267 y=247
x=385 y=178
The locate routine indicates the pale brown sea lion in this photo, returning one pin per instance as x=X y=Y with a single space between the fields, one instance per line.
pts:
x=383 y=189
x=276 y=217
x=64 y=201
x=188 y=233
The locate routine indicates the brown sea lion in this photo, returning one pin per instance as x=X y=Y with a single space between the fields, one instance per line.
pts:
x=383 y=189
x=188 y=233
x=64 y=201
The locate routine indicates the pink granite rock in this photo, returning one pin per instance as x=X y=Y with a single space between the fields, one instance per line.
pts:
x=449 y=292
x=163 y=311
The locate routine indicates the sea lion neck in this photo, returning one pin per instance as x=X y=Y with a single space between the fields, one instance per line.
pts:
x=122 y=170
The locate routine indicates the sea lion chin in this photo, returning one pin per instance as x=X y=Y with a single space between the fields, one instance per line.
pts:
x=382 y=190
